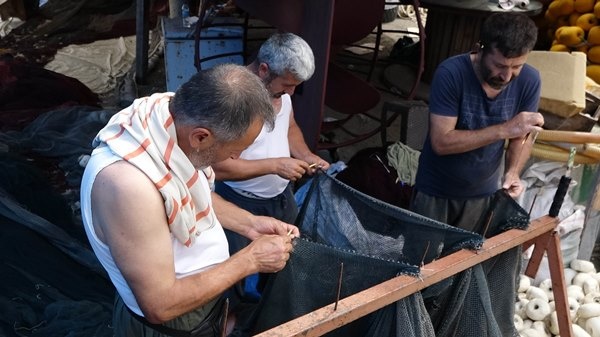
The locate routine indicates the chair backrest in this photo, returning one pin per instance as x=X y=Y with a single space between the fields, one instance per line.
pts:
x=355 y=19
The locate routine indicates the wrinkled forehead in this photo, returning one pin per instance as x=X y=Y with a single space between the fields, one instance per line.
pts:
x=494 y=56
x=286 y=79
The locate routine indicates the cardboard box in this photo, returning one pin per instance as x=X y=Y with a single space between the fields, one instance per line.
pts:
x=563 y=81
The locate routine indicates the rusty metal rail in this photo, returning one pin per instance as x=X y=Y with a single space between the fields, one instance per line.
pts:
x=540 y=232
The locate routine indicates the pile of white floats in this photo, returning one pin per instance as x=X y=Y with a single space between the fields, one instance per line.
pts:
x=535 y=315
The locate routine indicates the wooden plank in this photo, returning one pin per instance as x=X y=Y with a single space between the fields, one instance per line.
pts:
x=557 y=275
x=325 y=319
x=541 y=243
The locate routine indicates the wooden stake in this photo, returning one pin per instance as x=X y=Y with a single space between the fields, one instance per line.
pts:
x=339 y=289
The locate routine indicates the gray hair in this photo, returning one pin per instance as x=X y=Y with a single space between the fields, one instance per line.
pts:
x=287 y=52
x=513 y=34
x=225 y=99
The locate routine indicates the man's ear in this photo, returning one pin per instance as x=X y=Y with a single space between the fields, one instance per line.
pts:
x=263 y=71
x=201 y=138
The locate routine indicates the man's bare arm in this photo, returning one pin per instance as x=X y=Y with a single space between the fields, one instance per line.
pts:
x=129 y=217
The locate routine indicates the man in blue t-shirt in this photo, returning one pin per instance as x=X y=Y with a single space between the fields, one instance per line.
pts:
x=477 y=101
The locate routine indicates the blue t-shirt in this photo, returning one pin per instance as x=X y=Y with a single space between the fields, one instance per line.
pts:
x=456 y=91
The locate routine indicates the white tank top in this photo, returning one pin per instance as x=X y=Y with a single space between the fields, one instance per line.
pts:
x=209 y=249
x=272 y=144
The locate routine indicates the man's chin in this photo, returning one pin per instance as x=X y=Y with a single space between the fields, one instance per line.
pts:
x=497 y=85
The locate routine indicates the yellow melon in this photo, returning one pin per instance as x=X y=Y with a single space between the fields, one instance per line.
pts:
x=562 y=21
x=561 y=7
x=593 y=71
x=593 y=54
x=559 y=47
x=587 y=21
x=570 y=35
x=584 y=6
x=593 y=36
x=573 y=18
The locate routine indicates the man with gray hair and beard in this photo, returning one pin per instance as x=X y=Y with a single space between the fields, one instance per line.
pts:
x=261 y=179
x=150 y=215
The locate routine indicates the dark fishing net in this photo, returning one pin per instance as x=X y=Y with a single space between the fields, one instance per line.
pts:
x=504 y=213
x=375 y=242
x=310 y=281
x=52 y=283
x=479 y=302
x=338 y=215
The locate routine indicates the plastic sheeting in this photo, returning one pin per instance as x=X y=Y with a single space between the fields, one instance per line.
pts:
x=101 y=64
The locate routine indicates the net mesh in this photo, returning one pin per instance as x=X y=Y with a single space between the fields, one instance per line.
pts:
x=504 y=213
x=480 y=301
x=375 y=242
x=338 y=215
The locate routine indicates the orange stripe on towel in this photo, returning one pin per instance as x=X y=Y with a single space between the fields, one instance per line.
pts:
x=185 y=200
x=169 y=152
x=193 y=179
x=148 y=115
x=117 y=135
x=202 y=214
x=164 y=181
x=174 y=212
x=141 y=149
x=168 y=122
x=145 y=122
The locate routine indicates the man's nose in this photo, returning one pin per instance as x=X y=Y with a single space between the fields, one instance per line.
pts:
x=506 y=75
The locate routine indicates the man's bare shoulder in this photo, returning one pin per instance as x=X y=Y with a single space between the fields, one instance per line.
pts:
x=122 y=179
x=122 y=194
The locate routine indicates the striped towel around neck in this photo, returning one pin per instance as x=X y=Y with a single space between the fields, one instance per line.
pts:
x=144 y=135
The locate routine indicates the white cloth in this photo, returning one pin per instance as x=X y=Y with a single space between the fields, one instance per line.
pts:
x=510 y=4
x=273 y=144
x=100 y=65
x=144 y=135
